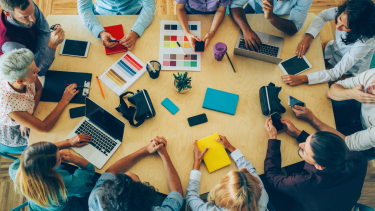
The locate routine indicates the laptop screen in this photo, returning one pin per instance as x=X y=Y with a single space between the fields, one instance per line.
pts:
x=104 y=119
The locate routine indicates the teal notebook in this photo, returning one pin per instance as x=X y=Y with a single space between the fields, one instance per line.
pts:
x=220 y=101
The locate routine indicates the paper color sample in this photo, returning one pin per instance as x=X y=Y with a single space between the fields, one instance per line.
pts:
x=121 y=75
x=118 y=33
x=170 y=106
x=220 y=101
x=170 y=33
x=216 y=157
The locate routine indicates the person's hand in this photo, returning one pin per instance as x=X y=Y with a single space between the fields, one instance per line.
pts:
x=198 y=155
x=304 y=45
x=359 y=95
x=56 y=38
x=24 y=131
x=208 y=38
x=129 y=40
x=290 y=129
x=271 y=130
x=295 y=80
x=252 y=41
x=303 y=113
x=192 y=38
x=371 y=88
x=156 y=144
x=67 y=156
x=268 y=9
x=69 y=93
x=224 y=141
x=161 y=140
x=80 y=140
x=106 y=37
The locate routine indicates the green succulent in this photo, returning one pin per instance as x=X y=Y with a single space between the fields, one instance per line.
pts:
x=182 y=81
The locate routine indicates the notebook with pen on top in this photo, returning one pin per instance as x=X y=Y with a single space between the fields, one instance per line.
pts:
x=117 y=32
x=216 y=157
x=220 y=101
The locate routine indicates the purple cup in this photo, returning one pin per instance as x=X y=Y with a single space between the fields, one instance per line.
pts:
x=219 y=51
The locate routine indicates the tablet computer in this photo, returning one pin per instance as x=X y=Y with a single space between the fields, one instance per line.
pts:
x=78 y=48
x=294 y=65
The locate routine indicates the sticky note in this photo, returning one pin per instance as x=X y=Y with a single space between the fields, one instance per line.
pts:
x=170 y=106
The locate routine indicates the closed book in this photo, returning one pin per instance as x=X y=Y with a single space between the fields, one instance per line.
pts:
x=117 y=32
x=220 y=101
x=216 y=157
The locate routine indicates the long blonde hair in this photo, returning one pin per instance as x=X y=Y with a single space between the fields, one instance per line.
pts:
x=237 y=191
x=36 y=178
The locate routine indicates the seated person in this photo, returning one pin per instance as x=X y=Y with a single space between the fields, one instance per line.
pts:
x=23 y=26
x=201 y=7
x=354 y=45
x=144 y=8
x=238 y=190
x=37 y=171
x=21 y=91
x=272 y=9
x=117 y=189
x=329 y=178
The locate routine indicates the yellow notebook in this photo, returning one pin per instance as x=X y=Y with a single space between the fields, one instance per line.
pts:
x=216 y=157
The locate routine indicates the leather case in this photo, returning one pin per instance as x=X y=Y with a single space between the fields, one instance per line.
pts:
x=269 y=100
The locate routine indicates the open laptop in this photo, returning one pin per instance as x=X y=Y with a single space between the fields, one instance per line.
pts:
x=270 y=50
x=105 y=130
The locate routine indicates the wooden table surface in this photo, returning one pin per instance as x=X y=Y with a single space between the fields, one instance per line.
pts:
x=245 y=130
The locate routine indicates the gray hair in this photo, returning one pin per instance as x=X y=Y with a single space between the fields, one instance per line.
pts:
x=9 y=5
x=15 y=64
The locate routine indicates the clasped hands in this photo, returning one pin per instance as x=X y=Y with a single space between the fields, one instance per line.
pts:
x=128 y=40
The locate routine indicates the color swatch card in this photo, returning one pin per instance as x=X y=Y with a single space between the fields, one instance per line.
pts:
x=121 y=75
x=216 y=157
x=170 y=55
x=220 y=101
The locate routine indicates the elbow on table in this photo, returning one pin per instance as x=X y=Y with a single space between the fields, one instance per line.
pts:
x=44 y=128
x=292 y=31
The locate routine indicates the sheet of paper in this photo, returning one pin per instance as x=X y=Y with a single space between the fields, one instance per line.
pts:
x=170 y=55
x=121 y=75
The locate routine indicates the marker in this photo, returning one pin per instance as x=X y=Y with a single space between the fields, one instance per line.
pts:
x=152 y=68
x=181 y=48
x=114 y=40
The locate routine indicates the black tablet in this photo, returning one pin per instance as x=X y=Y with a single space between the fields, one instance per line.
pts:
x=78 y=48
x=294 y=65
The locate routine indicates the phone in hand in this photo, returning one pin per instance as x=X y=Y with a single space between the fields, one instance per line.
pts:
x=77 y=112
x=199 y=46
x=276 y=121
x=196 y=120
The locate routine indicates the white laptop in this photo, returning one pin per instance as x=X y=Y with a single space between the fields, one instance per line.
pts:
x=105 y=130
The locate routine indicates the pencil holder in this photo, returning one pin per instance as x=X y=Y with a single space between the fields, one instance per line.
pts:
x=157 y=67
x=219 y=50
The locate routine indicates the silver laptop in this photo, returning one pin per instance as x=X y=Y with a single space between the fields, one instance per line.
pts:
x=105 y=130
x=270 y=50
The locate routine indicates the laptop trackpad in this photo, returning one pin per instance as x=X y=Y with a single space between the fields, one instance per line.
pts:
x=85 y=151
x=263 y=37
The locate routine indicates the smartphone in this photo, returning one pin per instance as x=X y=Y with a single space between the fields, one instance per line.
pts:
x=199 y=46
x=276 y=121
x=78 y=48
x=196 y=120
x=77 y=112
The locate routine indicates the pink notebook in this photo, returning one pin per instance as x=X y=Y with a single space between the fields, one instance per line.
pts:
x=118 y=33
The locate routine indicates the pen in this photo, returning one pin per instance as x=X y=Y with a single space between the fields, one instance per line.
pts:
x=230 y=61
x=152 y=68
x=100 y=86
x=114 y=40
x=181 y=48
x=78 y=86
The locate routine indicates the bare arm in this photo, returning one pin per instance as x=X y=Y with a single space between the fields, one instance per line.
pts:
x=239 y=17
x=218 y=18
x=173 y=180
x=182 y=17
x=284 y=25
x=38 y=92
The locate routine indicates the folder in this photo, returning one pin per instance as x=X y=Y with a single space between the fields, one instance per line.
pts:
x=117 y=32
x=216 y=157
x=220 y=101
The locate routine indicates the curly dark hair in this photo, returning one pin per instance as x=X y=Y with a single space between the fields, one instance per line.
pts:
x=124 y=194
x=361 y=19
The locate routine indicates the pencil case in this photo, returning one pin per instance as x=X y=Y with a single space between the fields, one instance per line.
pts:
x=269 y=100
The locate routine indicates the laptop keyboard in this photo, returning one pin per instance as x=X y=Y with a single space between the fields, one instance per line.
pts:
x=264 y=49
x=99 y=140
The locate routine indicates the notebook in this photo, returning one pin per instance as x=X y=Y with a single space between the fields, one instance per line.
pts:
x=118 y=33
x=216 y=157
x=55 y=83
x=220 y=101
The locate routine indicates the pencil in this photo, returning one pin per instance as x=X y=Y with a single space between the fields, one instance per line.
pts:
x=100 y=86
x=230 y=61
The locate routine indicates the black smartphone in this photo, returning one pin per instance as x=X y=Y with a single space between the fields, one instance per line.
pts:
x=276 y=121
x=199 y=46
x=196 y=120
x=77 y=112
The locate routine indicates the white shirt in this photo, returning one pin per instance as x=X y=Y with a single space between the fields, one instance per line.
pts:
x=364 y=139
x=354 y=58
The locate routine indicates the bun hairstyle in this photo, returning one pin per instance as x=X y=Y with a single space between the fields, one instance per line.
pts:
x=237 y=191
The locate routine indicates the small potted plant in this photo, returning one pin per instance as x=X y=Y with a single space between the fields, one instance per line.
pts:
x=182 y=83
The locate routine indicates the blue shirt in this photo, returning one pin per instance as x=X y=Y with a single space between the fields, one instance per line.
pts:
x=86 y=11
x=173 y=202
x=197 y=204
x=77 y=184
x=43 y=56
x=297 y=9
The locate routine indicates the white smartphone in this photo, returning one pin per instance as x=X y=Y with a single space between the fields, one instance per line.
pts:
x=294 y=65
x=78 y=48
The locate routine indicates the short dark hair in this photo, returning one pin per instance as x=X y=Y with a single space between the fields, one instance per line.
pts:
x=330 y=152
x=9 y=5
x=361 y=19
x=124 y=194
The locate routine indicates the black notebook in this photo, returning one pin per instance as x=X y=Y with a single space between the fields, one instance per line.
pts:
x=56 y=82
